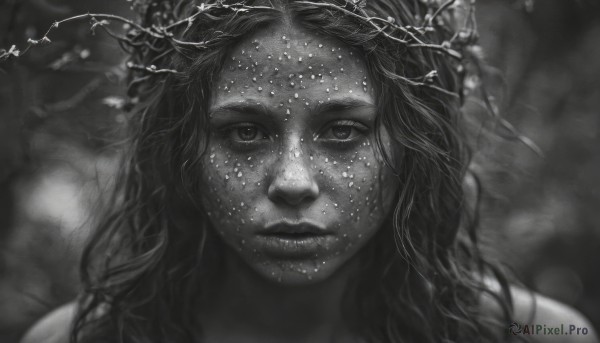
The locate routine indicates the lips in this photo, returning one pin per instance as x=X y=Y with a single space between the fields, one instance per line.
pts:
x=286 y=239
x=291 y=230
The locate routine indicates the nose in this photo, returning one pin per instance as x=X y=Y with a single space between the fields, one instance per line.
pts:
x=293 y=182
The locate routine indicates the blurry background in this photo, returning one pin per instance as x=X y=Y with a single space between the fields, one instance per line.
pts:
x=60 y=118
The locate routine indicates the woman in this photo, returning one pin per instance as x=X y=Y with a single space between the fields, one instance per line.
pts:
x=298 y=173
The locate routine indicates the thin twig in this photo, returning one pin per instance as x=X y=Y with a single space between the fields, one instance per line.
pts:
x=440 y=10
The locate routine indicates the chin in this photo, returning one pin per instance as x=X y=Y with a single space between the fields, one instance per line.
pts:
x=298 y=272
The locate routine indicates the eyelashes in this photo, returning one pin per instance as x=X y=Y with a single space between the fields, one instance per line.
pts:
x=343 y=131
x=247 y=134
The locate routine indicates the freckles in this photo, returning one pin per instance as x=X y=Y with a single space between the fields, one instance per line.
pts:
x=233 y=181
x=256 y=66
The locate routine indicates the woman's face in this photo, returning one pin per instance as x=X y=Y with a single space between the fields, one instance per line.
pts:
x=294 y=183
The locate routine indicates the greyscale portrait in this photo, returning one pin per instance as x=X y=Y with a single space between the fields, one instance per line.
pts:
x=337 y=171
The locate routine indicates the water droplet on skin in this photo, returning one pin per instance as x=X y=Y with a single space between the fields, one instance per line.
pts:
x=299 y=59
x=351 y=184
x=326 y=160
x=272 y=93
x=226 y=177
x=344 y=174
x=296 y=95
x=296 y=153
x=287 y=111
x=239 y=174
x=320 y=45
x=283 y=37
x=310 y=55
x=327 y=90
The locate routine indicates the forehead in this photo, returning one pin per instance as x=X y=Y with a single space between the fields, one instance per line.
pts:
x=283 y=61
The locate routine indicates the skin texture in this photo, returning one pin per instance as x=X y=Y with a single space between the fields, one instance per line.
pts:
x=292 y=140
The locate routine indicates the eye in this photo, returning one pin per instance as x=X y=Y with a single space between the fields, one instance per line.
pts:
x=343 y=131
x=246 y=133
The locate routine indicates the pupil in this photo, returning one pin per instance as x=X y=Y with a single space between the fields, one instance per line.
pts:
x=247 y=133
x=341 y=132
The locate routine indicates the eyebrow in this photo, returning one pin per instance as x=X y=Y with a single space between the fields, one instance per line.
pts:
x=340 y=105
x=254 y=107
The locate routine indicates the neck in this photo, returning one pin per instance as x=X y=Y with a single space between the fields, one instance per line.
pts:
x=247 y=305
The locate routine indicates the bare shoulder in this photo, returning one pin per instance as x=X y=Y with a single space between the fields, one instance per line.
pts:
x=543 y=319
x=53 y=327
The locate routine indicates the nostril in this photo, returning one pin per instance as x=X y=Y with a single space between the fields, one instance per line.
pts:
x=293 y=191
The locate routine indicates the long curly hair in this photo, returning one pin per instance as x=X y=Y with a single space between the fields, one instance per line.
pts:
x=422 y=275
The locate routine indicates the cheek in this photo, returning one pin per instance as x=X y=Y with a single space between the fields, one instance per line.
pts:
x=361 y=189
x=232 y=186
